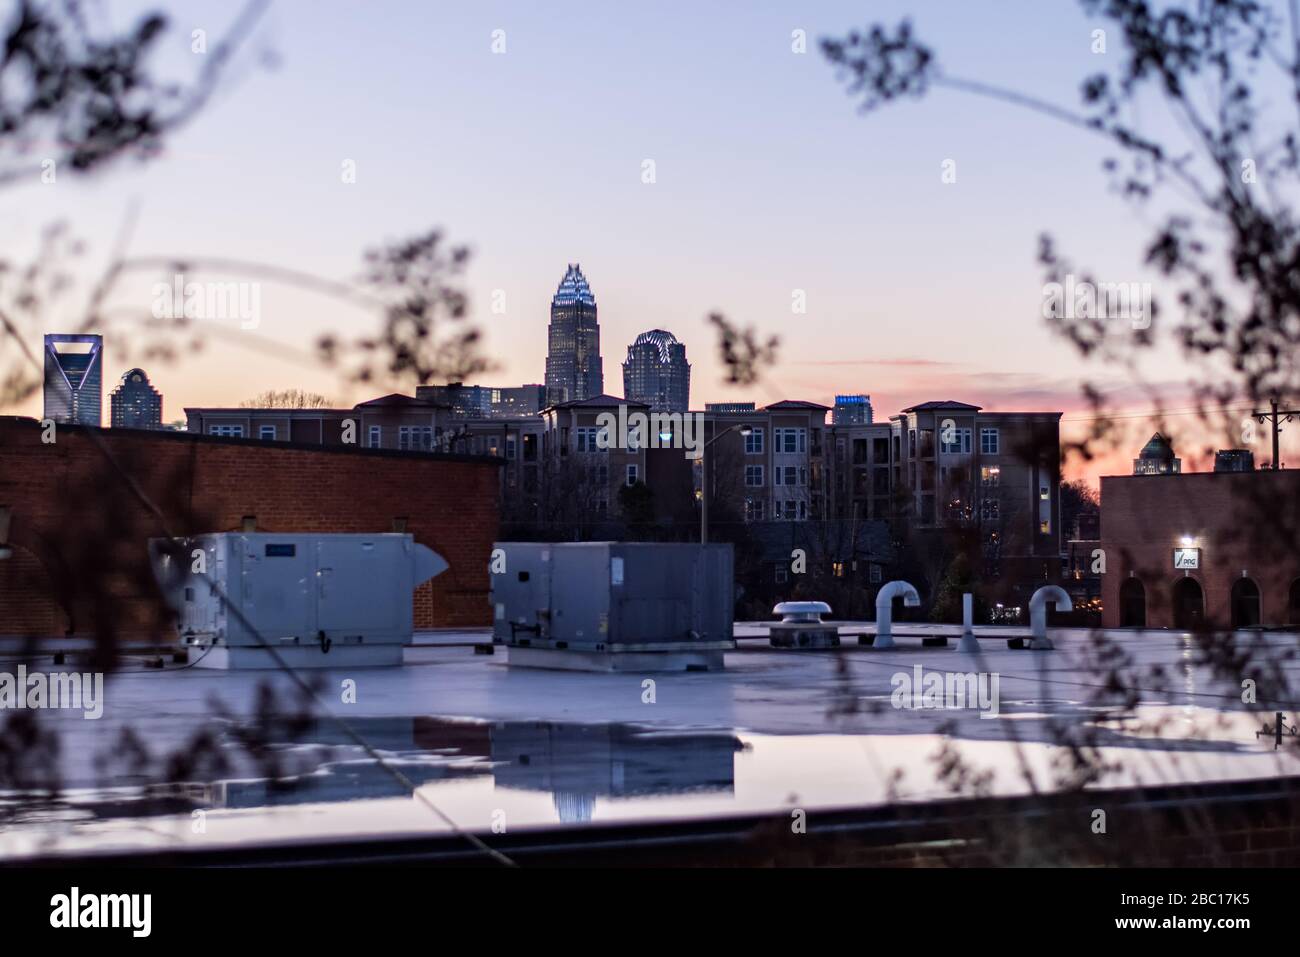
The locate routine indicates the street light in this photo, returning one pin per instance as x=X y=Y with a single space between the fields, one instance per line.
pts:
x=704 y=481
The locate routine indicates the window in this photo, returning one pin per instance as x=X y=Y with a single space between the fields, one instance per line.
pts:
x=586 y=438
x=990 y=475
x=376 y=434
x=510 y=447
x=789 y=475
x=415 y=437
x=632 y=474
x=988 y=441
x=753 y=509
x=790 y=441
x=955 y=441
x=1044 y=494
x=989 y=509
x=790 y=510
x=753 y=475
x=266 y=433
x=754 y=442
x=780 y=575
x=229 y=431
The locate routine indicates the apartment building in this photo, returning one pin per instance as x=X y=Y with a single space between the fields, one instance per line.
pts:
x=585 y=469
x=769 y=460
x=998 y=472
x=392 y=421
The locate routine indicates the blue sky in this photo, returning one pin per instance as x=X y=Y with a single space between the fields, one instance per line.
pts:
x=768 y=180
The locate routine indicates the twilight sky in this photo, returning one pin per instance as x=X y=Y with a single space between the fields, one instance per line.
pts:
x=768 y=180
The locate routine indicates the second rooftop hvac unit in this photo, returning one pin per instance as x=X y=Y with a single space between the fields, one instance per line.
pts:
x=613 y=606
x=319 y=600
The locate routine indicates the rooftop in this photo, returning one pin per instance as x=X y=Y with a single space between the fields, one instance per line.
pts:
x=776 y=729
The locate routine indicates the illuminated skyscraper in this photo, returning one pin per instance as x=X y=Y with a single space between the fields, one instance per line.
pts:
x=74 y=378
x=852 y=410
x=656 y=372
x=574 y=368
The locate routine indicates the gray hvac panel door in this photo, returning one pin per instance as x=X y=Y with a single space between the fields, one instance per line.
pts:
x=277 y=588
x=360 y=587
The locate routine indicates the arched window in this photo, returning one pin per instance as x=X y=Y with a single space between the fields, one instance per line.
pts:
x=1189 y=604
x=1245 y=603
x=1132 y=604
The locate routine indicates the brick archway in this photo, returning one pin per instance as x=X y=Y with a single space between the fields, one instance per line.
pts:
x=1132 y=603
x=1187 y=603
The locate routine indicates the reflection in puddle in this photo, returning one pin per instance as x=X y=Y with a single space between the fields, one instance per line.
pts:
x=529 y=774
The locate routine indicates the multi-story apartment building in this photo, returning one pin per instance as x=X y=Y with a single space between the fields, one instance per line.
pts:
x=74 y=378
x=997 y=472
x=574 y=368
x=389 y=422
x=860 y=484
x=585 y=469
x=771 y=463
x=656 y=372
x=135 y=403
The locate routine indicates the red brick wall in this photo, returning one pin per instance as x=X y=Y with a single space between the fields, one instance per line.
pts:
x=1242 y=521
x=72 y=511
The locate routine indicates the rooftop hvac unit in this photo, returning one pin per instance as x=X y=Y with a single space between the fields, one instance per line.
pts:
x=321 y=601
x=613 y=606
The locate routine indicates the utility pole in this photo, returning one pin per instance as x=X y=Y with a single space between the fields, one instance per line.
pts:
x=1284 y=415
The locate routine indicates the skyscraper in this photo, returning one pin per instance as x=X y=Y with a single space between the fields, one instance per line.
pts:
x=656 y=372
x=74 y=378
x=574 y=368
x=852 y=410
x=135 y=404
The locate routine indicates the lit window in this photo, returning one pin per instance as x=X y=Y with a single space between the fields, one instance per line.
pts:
x=990 y=475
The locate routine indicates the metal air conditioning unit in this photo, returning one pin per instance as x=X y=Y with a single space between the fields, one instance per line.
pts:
x=319 y=600
x=614 y=606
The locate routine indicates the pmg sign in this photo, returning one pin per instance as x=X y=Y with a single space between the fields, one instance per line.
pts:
x=1187 y=558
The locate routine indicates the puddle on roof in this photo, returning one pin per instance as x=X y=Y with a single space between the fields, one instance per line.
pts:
x=486 y=775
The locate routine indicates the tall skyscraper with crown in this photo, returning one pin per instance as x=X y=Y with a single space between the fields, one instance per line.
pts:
x=574 y=369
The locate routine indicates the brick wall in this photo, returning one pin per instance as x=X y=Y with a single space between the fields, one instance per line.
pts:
x=74 y=519
x=1245 y=523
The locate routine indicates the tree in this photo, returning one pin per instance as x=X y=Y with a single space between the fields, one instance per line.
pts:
x=1078 y=498
x=287 y=399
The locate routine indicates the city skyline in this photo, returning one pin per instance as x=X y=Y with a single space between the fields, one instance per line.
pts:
x=892 y=304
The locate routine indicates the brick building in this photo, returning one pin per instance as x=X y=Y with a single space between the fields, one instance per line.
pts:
x=1221 y=548
x=72 y=519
